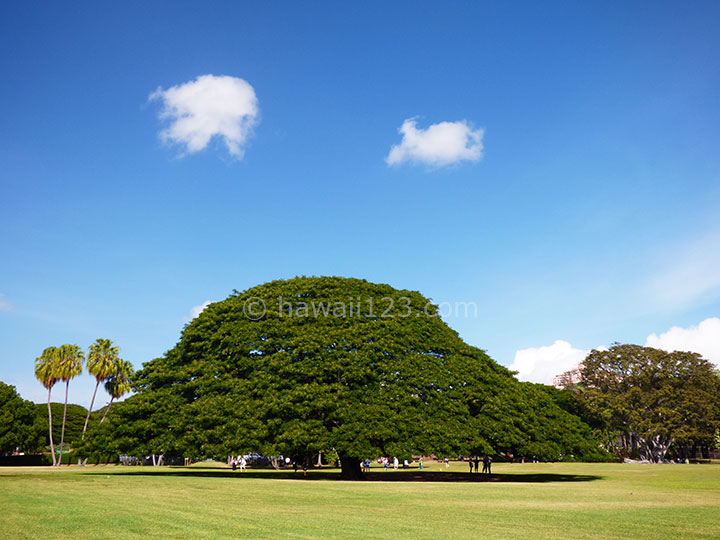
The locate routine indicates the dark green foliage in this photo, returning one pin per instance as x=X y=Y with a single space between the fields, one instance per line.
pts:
x=73 y=424
x=535 y=425
x=19 y=425
x=333 y=363
x=571 y=402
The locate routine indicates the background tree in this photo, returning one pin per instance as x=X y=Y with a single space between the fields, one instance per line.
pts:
x=655 y=397
x=46 y=372
x=19 y=428
x=102 y=363
x=74 y=420
x=68 y=366
x=335 y=363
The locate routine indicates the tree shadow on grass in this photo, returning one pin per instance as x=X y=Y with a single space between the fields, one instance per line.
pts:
x=389 y=476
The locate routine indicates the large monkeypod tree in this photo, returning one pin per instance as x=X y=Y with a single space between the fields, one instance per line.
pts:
x=306 y=365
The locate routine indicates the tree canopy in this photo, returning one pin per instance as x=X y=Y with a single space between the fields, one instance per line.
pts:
x=305 y=365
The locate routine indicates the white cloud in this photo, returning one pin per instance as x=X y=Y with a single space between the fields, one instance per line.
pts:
x=209 y=106
x=541 y=364
x=4 y=304
x=703 y=339
x=438 y=145
x=197 y=310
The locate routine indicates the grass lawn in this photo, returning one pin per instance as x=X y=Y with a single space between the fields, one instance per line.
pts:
x=537 y=501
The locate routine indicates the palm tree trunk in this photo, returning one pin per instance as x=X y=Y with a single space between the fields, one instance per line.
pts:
x=62 y=436
x=52 y=444
x=107 y=410
x=92 y=402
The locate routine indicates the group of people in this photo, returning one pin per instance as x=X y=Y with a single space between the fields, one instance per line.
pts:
x=475 y=464
x=294 y=464
x=385 y=462
x=242 y=462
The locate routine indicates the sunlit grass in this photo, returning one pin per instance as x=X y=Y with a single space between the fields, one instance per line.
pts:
x=209 y=501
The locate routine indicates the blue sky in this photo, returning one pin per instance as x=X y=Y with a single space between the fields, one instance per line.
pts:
x=590 y=215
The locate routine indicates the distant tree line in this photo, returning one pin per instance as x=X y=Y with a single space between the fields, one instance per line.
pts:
x=23 y=424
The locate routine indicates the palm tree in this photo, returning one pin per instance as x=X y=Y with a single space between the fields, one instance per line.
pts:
x=102 y=362
x=45 y=372
x=69 y=366
x=119 y=384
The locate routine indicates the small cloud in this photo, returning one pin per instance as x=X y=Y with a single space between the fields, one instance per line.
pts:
x=542 y=364
x=197 y=310
x=703 y=339
x=440 y=144
x=4 y=304
x=209 y=106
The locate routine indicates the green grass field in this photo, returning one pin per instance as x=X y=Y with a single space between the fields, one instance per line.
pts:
x=550 y=501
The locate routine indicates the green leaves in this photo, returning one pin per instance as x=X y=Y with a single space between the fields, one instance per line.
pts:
x=69 y=362
x=46 y=367
x=119 y=380
x=103 y=359
x=19 y=426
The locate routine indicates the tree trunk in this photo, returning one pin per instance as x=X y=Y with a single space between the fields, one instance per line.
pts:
x=52 y=444
x=62 y=433
x=654 y=449
x=351 y=469
x=660 y=446
x=319 y=461
x=107 y=410
x=92 y=402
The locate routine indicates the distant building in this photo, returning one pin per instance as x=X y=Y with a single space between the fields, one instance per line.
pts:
x=568 y=378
